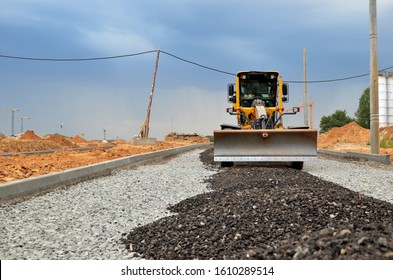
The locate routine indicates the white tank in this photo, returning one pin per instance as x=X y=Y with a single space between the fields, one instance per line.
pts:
x=389 y=90
x=383 y=101
x=385 y=92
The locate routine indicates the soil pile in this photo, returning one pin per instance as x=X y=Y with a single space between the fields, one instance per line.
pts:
x=386 y=133
x=269 y=213
x=345 y=136
x=119 y=141
x=192 y=138
x=78 y=139
x=12 y=146
x=60 y=139
x=23 y=166
x=29 y=135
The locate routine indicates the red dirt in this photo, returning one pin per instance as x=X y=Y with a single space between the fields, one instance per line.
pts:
x=78 y=139
x=11 y=145
x=350 y=137
x=351 y=133
x=354 y=138
x=192 y=138
x=386 y=133
x=60 y=140
x=19 y=166
x=29 y=135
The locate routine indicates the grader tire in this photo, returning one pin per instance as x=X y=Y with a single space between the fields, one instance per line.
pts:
x=297 y=165
x=226 y=164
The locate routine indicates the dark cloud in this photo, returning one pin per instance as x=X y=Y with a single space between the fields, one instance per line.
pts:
x=228 y=35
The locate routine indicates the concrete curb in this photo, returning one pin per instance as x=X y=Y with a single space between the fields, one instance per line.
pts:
x=75 y=175
x=385 y=159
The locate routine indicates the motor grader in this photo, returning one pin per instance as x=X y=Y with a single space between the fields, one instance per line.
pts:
x=257 y=101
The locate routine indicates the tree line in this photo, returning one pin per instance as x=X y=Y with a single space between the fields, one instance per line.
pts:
x=340 y=118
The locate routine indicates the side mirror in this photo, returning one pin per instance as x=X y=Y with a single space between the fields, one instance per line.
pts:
x=231 y=93
x=285 y=91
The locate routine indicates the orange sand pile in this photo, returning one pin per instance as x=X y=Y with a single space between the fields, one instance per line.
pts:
x=29 y=135
x=62 y=140
x=191 y=138
x=347 y=135
x=78 y=139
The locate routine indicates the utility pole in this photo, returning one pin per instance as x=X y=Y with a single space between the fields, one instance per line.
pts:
x=305 y=87
x=104 y=133
x=311 y=113
x=21 y=123
x=374 y=105
x=13 y=120
x=144 y=130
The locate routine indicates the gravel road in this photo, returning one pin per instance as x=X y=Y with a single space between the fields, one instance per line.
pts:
x=375 y=180
x=87 y=220
x=275 y=212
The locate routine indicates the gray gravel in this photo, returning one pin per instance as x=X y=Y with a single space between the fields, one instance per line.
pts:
x=373 y=180
x=86 y=221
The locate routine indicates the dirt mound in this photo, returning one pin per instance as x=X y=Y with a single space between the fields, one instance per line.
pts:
x=386 y=133
x=2 y=136
x=23 y=166
x=337 y=137
x=78 y=139
x=119 y=141
x=60 y=139
x=29 y=135
x=192 y=138
x=12 y=146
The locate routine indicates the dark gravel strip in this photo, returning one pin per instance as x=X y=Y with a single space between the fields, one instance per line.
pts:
x=269 y=213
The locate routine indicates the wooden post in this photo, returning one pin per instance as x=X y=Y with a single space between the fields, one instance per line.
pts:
x=144 y=130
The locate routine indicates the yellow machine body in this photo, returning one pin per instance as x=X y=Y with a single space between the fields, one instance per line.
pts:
x=257 y=102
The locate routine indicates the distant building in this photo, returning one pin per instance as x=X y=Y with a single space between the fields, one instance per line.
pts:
x=385 y=90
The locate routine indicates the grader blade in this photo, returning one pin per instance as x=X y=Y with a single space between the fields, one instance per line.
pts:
x=265 y=145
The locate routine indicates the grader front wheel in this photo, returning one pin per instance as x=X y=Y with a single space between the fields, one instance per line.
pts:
x=227 y=164
x=297 y=165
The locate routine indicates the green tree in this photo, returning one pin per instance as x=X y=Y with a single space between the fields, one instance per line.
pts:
x=337 y=119
x=363 y=113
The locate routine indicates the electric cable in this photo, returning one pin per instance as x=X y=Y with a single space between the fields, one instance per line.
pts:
x=199 y=65
x=184 y=60
x=76 y=59
x=328 y=81
x=338 y=79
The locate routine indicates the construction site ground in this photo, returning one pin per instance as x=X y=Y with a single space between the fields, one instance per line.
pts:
x=68 y=153
x=65 y=152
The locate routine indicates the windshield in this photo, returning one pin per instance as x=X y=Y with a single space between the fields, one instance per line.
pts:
x=257 y=86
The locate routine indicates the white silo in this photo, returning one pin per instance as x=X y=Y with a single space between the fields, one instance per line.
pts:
x=385 y=85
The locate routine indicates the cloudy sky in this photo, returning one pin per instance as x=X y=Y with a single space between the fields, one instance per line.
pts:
x=89 y=96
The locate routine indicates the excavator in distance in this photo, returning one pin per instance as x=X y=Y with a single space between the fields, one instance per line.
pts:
x=257 y=102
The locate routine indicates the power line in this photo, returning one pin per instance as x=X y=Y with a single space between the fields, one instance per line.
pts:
x=181 y=59
x=328 y=81
x=76 y=59
x=112 y=57
x=199 y=65
x=388 y=68
x=338 y=79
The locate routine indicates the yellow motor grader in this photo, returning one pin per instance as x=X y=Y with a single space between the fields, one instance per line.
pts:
x=257 y=101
